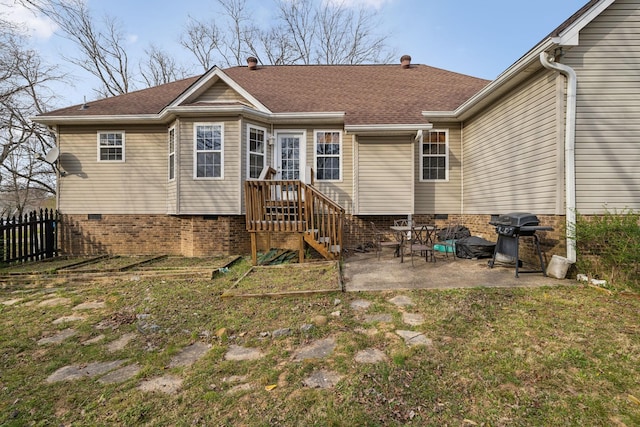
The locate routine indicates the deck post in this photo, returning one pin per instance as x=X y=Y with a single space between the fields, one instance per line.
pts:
x=254 y=249
x=301 y=250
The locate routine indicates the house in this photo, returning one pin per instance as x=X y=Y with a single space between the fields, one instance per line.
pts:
x=189 y=167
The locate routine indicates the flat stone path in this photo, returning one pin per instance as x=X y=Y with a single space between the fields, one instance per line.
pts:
x=120 y=370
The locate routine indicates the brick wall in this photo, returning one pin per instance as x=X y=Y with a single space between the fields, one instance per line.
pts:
x=153 y=234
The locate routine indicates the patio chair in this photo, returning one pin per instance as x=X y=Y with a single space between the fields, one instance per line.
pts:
x=420 y=243
x=382 y=240
x=446 y=241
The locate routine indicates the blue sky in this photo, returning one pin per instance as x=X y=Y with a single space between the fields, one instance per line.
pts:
x=481 y=38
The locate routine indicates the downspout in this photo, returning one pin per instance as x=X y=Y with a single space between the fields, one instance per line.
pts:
x=569 y=148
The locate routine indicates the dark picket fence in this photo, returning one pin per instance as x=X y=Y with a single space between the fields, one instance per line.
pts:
x=31 y=237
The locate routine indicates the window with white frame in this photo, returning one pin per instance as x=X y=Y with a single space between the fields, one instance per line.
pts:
x=172 y=153
x=328 y=155
x=257 y=156
x=434 y=157
x=208 y=144
x=111 y=146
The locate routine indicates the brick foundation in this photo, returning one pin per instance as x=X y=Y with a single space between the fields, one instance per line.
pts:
x=196 y=236
x=153 y=235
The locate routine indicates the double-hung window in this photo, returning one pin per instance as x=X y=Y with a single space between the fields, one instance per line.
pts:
x=111 y=146
x=208 y=150
x=434 y=156
x=172 y=153
x=328 y=155
x=257 y=156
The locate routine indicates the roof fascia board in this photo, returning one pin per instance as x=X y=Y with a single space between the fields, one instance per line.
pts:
x=388 y=129
x=569 y=35
x=81 y=120
x=206 y=78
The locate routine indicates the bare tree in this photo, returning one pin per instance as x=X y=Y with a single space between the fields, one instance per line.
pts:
x=202 y=38
x=23 y=93
x=159 y=67
x=298 y=18
x=101 y=45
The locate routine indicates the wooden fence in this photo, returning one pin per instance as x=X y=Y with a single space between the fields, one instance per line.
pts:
x=30 y=237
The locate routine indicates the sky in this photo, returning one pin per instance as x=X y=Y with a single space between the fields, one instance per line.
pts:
x=481 y=38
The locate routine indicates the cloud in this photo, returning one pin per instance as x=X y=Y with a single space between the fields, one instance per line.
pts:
x=39 y=27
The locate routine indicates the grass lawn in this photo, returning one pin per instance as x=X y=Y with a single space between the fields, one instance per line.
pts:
x=499 y=357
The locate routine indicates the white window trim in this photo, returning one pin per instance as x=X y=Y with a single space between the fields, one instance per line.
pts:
x=100 y=132
x=249 y=152
x=315 y=153
x=446 y=156
x=172 y=128
x=195 y=151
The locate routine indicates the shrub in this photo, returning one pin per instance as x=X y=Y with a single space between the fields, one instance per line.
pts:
x=608 y=246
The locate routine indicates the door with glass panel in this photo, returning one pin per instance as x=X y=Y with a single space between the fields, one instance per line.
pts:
x=290 y=160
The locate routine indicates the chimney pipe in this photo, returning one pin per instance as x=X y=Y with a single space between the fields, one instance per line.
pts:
x=405 y=61
x=252 y=62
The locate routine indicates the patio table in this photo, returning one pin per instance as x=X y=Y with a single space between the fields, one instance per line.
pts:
x=408 y=232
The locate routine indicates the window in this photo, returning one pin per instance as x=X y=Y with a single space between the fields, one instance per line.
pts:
x=172 y=153
x=328 y=155
x=257 y=158
x=208 y=142
x=434 y=156
x=111 y=146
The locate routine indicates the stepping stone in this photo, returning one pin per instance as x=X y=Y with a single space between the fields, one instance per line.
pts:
x=317 y=350
x=413 y=338
x=322 y=379
x=360 y=304
x=65 y=319
x=12 y=301
x=368 y=332
x=168 y=384
x=237 y=352
x=94 y=340
x=235 y=379
x=189 y=355
x=413 y=319
x=402 y=301
x=120 y=343
x=120 y=375
x=58 y=338
x=90 y=305
x=52 y=302
x=378 y=318
x=76 y=372
x=370 y=355
x=240 y=388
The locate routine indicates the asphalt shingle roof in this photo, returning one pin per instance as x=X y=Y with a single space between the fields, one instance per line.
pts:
x=368 y=94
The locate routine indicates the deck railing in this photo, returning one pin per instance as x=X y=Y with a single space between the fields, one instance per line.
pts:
x=292 y=206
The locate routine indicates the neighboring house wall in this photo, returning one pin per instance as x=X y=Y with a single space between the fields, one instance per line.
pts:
x=510 y=149
x=385 y=175
x=134 y=186
x=215 y=196
x=607 y=63
x=441 y=197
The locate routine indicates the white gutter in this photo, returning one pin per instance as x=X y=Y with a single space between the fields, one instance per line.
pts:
x=569 y=148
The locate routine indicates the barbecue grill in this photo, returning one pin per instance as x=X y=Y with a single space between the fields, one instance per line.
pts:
x=510 y=228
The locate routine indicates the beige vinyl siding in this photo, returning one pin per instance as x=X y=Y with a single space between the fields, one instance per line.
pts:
x=441 y=196
x=220 y=92
x=510 y=152
x=385 y=176
x=340 y=192
x=607 y=151
x=136 y=186
x=211 y=196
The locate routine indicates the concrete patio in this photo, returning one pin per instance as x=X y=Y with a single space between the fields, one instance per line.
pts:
x=364 y=272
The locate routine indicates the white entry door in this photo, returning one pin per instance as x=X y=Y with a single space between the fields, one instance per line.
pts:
x=290 y=154
x=289 y=160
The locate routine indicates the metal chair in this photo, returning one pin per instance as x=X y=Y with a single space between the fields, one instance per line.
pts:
x=446 y=241
x=381 y=240
x=421 y=243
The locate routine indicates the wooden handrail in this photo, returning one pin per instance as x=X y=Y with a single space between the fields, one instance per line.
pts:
x=292 y=206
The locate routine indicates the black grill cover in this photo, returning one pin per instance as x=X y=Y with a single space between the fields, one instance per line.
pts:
x=474 y=247
x=517 y=219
